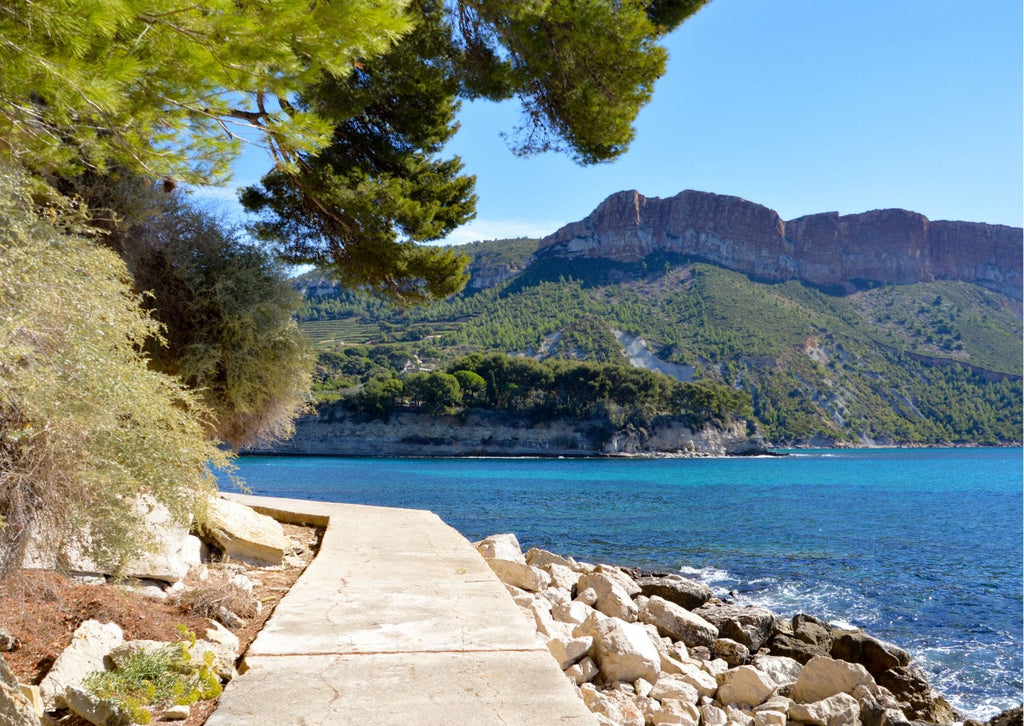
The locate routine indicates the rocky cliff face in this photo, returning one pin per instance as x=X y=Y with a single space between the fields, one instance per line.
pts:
x=883 y=246
x=334 y=432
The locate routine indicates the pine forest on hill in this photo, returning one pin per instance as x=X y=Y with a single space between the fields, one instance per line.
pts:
x=930 y=363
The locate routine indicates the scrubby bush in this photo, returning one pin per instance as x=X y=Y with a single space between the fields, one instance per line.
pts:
x=85 y=425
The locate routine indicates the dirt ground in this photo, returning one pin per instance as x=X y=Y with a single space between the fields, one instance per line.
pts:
x=42 y=610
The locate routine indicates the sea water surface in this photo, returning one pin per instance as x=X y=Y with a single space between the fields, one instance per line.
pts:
x=921 y=547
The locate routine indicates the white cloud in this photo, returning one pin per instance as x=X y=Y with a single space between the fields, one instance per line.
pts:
x=484 y=229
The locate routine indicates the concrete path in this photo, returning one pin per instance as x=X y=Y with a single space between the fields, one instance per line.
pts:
x=398 y=620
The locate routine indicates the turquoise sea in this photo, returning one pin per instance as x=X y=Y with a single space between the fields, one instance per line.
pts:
x=921 y=547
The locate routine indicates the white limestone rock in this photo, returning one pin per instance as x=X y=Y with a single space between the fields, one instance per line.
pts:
x=501 y=547
x=561 y=576
x=712 y=716
x=671 y=711
x=744 y=685
x=779 y=668
x=117 y=656
x=583 y=672
x=626 y=582
x=678 y=623
x=615 y=706
x=521 y=575
x=587 y=596
x=840 y=709
x=823 y=677
x=568 y=651
x=178 y=712
x=677 y=689
x=573 y=612
x=541 y=558
x=96 y=710
x=733 y=653
x=769 y=718
x=16 y=708
x=217 y=633
x=245 y=535
x=624 y=652
x=704 y=682
x=738 y=717
x=554 y=595
x=612 y=599
x=84 y=655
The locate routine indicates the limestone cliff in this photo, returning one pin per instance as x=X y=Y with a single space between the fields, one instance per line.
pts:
x=829 y=250
x=335 y=432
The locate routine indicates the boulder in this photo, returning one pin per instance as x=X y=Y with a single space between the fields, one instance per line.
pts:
x=705 y=683
x=712 y=716
x=561 y=577
x=100 y=712
x=541 y=558
x=823 y=678
x=877 y=656
x=737 y=717
x=624 y=652
x=573 y=612
x=676 y=689
x=16 y=709
x=620 y=576
x=745 y=686
x=677 y=623
x=733 y=653
x=519 y=574
x=118 y=655
x=568 y=651
x=671 y=711
x=676 y=589
x=779 y=669
x=173 y=551
x=554 y=595
x=812 y=630
x=769 y=718
x=612 y=599
x=501 y=547
x=617 y=707
x=217 y=633
x=910 y=687
x=243 y=534
x=792 y=647
x=83 y=655
x=583 y=672
x=840 y=709
x=748 y=624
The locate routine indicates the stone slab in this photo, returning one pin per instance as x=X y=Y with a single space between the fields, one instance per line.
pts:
x=440 y=689
x=397 y=620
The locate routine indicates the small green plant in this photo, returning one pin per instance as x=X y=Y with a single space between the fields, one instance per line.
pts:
x=157 y=678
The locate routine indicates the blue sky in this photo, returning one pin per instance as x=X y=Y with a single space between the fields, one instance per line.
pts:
x=801 y=105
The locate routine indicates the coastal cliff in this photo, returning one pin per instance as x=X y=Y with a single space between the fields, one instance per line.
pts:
x=336 y=432
x=888 y=246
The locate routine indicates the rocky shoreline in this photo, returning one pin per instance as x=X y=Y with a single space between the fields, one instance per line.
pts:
x=335 y=432
x=650 y=648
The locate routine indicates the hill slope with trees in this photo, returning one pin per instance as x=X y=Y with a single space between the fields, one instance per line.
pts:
x=928 y=363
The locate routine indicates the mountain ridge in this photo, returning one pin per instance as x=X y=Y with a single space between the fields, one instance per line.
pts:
x=842 y=253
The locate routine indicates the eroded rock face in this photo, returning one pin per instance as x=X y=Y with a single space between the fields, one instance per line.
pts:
x=883 y=246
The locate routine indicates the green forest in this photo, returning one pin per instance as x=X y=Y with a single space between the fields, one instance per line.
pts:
x=930 y=363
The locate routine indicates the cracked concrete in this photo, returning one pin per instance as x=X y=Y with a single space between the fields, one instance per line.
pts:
x=398 y=620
